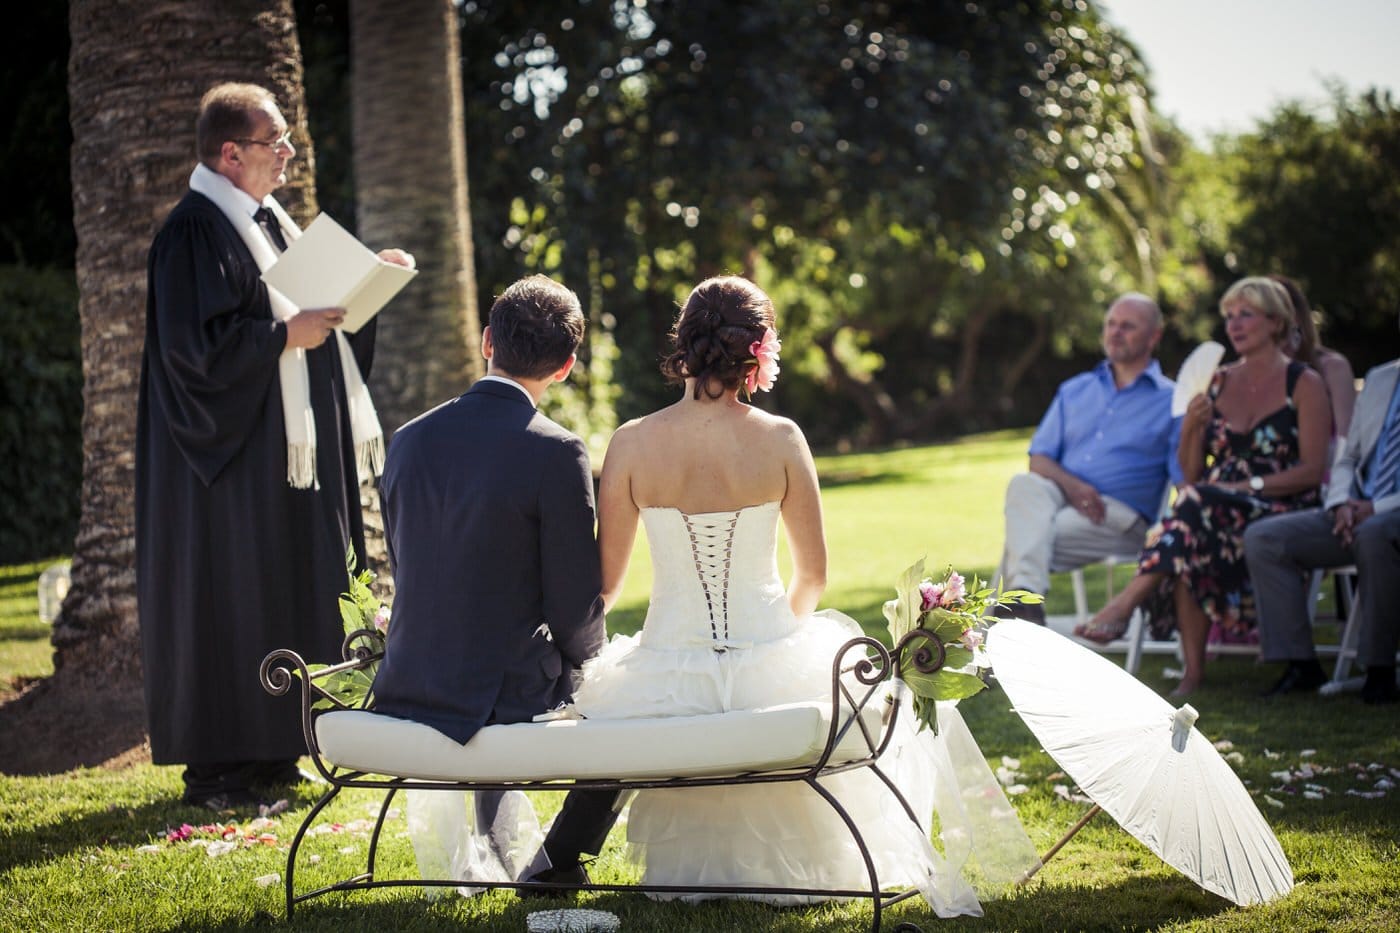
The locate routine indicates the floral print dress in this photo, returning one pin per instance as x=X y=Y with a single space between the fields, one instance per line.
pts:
x=1203 y=537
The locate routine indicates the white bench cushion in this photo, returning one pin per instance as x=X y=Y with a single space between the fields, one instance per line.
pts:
x=778 y=737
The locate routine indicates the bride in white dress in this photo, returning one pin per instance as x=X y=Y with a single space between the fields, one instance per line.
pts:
x=710 y=477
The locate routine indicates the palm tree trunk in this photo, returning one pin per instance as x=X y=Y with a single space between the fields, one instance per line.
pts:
x=411 y=192
x=135 y=76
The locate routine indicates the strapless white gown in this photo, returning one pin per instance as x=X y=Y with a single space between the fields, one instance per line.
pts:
x=719 y=636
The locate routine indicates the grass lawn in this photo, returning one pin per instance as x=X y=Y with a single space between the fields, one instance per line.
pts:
x=87 y=850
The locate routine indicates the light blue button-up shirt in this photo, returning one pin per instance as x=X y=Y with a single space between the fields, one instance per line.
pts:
x=1120 y=441
x=1369 y=490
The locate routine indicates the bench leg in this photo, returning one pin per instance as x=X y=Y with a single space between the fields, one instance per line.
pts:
x=296 y=844
x=378 y=828
x=876 y=901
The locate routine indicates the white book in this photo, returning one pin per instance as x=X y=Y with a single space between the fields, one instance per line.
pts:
x=326 y=267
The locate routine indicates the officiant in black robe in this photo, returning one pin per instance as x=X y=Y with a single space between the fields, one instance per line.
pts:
x=234 y=557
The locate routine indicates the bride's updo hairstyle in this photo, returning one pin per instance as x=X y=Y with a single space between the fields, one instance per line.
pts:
x=718 y=323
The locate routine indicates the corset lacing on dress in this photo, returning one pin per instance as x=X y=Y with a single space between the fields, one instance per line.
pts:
x=712 y=546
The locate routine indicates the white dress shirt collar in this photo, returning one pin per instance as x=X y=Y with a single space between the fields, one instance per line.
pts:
x=511 y=382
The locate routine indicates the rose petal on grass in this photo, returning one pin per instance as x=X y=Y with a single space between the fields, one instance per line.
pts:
x=148 y=848
x=1013 y=790
x=1311 y=795
x=222 y=847
x=1277 y=804
x=264 y=881
x=1307 y=753
x=1224 y=745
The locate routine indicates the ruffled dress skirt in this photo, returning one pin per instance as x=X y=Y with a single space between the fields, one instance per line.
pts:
x=785 y=834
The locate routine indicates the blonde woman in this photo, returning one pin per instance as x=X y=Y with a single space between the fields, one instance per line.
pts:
x=1254 y=444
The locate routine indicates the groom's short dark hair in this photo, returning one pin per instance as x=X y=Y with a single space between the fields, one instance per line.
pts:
x=536 y=325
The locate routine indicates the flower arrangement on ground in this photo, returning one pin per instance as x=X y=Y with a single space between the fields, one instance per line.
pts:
x=937 y=629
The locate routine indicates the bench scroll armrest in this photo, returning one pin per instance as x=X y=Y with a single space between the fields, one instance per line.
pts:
x=859 y=669
x=282 y=668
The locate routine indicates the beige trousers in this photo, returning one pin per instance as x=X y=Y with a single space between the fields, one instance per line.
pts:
x=1044 y=534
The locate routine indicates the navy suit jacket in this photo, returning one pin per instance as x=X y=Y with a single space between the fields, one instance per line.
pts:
x=488 y=511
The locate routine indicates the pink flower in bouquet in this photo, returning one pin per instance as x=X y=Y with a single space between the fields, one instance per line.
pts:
x=971 y=639
x=381 y=619
x=954 y=591
x=762 y=376
x=930 y=593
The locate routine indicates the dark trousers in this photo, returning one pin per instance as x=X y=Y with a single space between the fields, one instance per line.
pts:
x=582 y=826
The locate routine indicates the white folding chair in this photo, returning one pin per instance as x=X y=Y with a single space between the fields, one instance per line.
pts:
x=1349 y=618
x=1134 y=641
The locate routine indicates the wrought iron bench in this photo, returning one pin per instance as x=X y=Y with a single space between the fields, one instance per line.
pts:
x=805 y=742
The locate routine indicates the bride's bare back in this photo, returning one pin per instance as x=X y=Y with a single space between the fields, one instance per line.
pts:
x=709 y=456
x=712 y=455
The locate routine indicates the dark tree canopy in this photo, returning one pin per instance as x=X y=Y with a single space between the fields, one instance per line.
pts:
x=906 y=167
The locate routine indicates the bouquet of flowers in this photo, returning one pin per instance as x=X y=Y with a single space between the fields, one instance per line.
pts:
x=937 y=630
x=364 y=619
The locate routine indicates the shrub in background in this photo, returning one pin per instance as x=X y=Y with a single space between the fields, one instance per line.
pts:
x=41 y=408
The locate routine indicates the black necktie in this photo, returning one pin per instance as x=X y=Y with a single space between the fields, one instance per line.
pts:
x=270 y=226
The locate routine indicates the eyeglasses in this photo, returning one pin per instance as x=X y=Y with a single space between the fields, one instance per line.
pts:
x=281 y=142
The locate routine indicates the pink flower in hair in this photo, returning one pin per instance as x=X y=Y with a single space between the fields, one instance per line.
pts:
x=765 y=351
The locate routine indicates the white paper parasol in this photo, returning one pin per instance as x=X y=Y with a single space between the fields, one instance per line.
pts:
x=1141 y=760
x=1194 y=376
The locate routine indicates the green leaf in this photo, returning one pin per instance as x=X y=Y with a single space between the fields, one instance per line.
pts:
x=351 y=618
x=1020 y=596
x=943 y=685
x=905 y=616
x=953 y=685
x=350 y=687
x=957 y=656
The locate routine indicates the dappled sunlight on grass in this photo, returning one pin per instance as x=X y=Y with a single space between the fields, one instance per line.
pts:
x=89 y=849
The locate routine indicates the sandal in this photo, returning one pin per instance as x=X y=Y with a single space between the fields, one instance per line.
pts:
x=1101 y=633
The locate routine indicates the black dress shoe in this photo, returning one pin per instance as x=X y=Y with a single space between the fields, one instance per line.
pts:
x=223 y=800
x=1380 y=686
x=574 y=874
x=1298 y=677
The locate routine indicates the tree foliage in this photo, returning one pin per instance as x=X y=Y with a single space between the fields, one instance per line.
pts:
x=909 y=178
x=1317 y=197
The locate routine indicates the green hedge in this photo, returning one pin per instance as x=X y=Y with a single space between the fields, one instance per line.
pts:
x=41 y=409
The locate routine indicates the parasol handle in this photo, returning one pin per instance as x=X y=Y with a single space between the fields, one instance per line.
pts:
x=1083 y=821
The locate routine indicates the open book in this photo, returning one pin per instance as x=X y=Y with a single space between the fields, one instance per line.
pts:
x=326 y=267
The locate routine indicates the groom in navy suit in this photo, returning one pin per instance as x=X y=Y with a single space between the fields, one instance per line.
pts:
x=488 y=512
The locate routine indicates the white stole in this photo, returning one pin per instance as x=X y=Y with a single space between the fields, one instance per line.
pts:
x=296 y=390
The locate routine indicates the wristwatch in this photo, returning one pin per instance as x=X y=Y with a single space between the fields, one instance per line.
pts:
x=1256 y=483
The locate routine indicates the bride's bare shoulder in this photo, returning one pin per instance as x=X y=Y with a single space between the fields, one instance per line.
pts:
x=776 y=425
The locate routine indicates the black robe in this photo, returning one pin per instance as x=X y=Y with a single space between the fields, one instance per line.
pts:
x=231 y=561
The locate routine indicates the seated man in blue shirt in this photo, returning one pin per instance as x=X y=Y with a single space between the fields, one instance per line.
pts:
x=1099 y=462
x=1359 y=523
